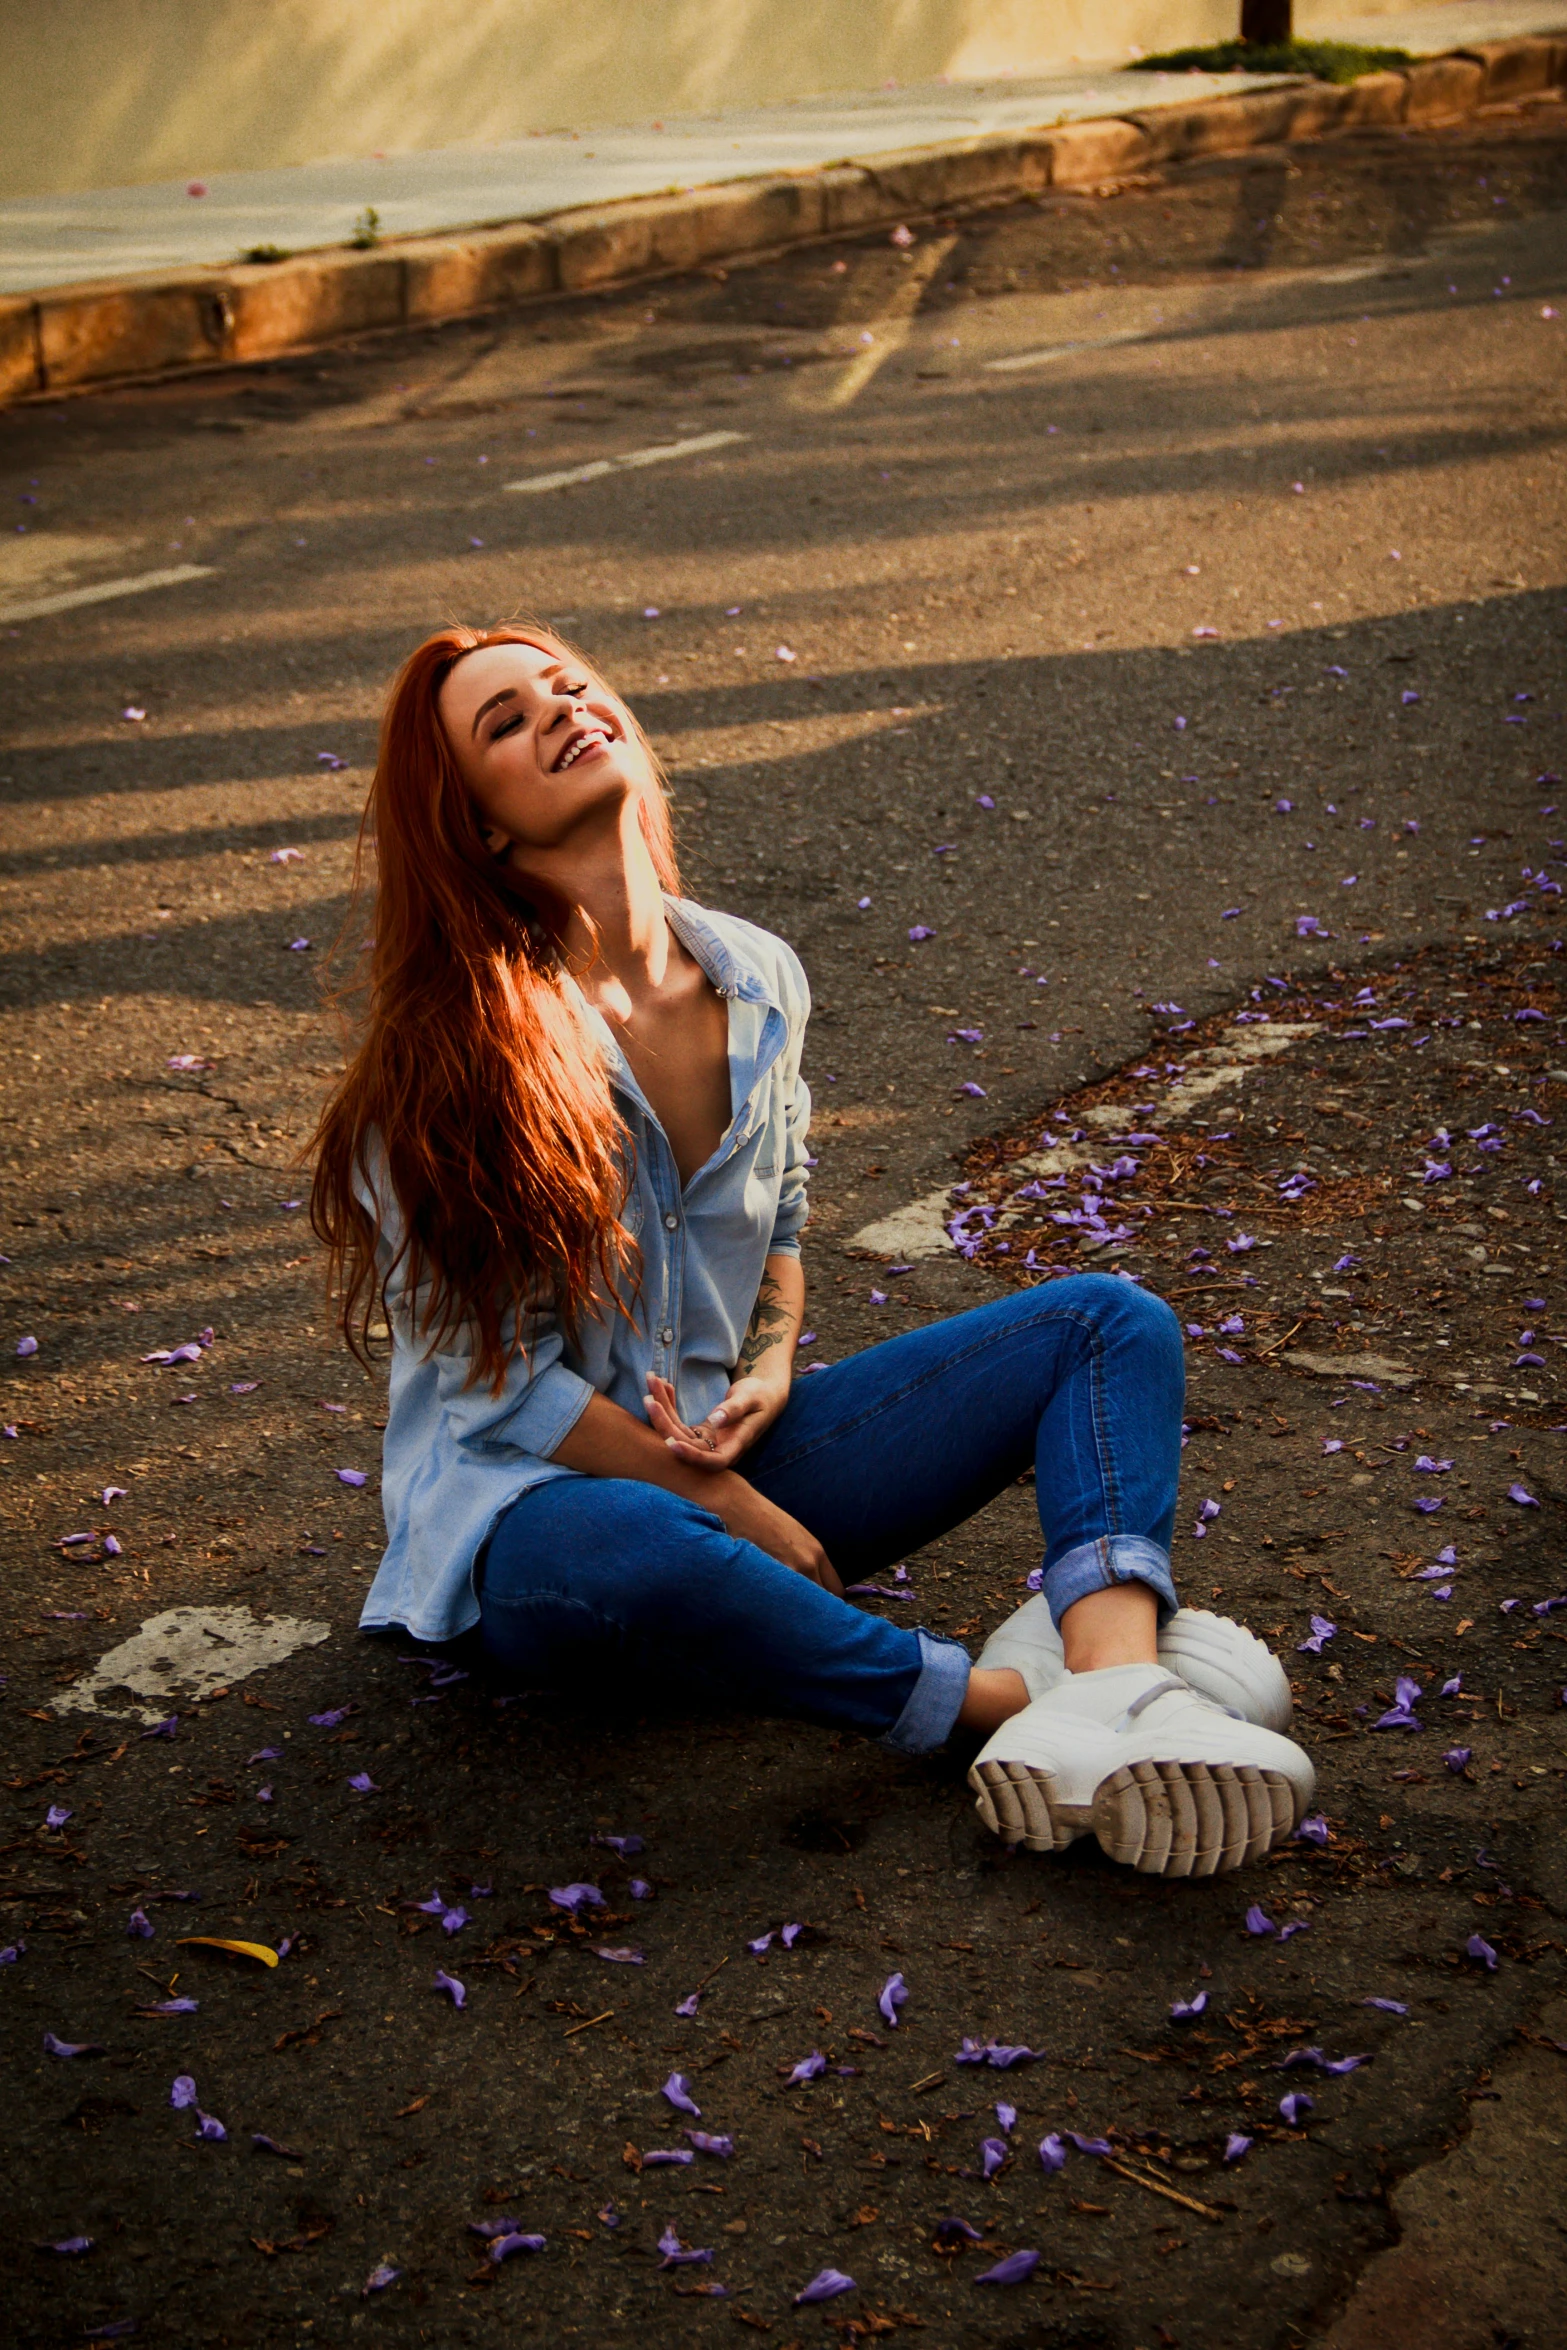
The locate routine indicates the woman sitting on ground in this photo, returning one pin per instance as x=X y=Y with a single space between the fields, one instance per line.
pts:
x=568 y=1162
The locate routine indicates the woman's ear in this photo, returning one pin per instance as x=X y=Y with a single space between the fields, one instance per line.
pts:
x=497 y=842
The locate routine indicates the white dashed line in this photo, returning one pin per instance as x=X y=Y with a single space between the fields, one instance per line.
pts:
x=659 y=454
x=39 y=607
x=1042 y=358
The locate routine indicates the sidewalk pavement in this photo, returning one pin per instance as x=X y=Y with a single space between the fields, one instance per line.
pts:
x=56 y=241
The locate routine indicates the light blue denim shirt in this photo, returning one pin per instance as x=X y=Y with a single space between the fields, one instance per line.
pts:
x=455 y=1456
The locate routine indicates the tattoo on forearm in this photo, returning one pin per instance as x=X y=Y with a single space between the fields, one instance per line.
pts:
x=769 y=1326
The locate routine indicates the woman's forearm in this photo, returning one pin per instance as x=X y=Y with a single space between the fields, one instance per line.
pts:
x=608 y=1441
x=773 y=1332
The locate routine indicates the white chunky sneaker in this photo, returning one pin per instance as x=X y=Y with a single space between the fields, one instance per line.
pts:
x=1167 y=1781
x=1212 y=1654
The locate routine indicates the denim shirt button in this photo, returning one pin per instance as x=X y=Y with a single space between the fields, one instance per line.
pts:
x=671 y=1222
x=666 y=1336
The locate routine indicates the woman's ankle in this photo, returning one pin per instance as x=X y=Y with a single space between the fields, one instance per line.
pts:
x=1119 y=1626
x=992 y=1697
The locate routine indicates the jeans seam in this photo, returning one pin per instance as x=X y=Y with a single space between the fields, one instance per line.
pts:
x=939 y=1370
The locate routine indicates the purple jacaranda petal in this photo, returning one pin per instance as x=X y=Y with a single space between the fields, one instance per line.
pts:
x=180 y=2006
x=269 y=2145
x=1323 y=1629
x=383 y=2274
x=893 y=1995
x=504 y=2246
x=677 y=2090
x=54 y=2047
x=826 y=2285
x=1006 y=2115
x=973 y=2052
x=639 y=1889
x=1295 y=2107
x=1388 y=2006
x=956 y=2232
x=26 y=1347
x=72 y=2248
x=1458 y=1758
x=809 y=2068
x=712 y=2142
x=1345 y=2064
x=433 y=1908
x=689 y=2005
x=1016 y=2269
x=1258 y=1921
x=676 y=2254
x=1090 y=2145
x=208 y=2126
x=1003 y=2055
x=139 y=1926
x=1295 y=1926
x=1312 y=1830
x=1477 y=1947
x=57 y=1815
x=1522 y=1496
x=1303 y=2056
x=1052 y=2154
x=992 y=2154
x=575 y=1897
x=169 y=1727
x=183 y=2092
x=244 y=1386
x=1406 y=1691
x=1182 y=2011
x=763 y=1942
x=1333 y=1444
x=789 y=1935
x=363 y=1784
x=455 y=1991
x=350 y=1476
x=1236 y=2145
x=626 y=1846
x=619 y=1953
x=607 y=2215
x=331 y=1718
x=663 y=2157
x=920 y=932
x=488 y=2229
x=452 y=1920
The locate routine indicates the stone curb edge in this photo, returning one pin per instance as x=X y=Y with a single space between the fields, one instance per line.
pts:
x=82 y=336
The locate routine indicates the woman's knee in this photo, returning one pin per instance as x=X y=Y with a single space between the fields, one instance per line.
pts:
x=1125 y=1315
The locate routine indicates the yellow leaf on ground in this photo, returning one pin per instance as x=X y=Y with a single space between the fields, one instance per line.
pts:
x=222 y=1942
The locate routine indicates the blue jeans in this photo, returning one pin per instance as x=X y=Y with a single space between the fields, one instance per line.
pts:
x=1081 y=1380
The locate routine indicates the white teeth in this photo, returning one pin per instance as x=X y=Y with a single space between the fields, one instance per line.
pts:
x=582 y=743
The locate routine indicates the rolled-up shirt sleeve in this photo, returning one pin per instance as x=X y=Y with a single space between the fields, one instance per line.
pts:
x=794 y=1205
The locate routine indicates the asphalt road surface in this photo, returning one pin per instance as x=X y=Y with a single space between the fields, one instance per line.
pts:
x=1096 y=612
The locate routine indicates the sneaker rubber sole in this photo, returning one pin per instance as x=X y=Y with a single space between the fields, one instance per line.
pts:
x=1168 y=1819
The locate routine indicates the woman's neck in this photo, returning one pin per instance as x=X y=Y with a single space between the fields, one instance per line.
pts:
x=617 y=936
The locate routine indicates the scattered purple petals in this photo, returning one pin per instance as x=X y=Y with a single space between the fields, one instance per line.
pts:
x=1522 y=1496
x=208 y=2126
x=992 y=2154
x=1236 y=2145
x=712 y=2142
x=919 y=932
x=690 y=2004
x=1090 y=2145
x=619 y=1953
x=892 y=1996
x=1016 y=2269
x=1258 y=1921
x=363 y=1784
x=1388 y=2006
x=383 y=2274
x=575 y=1897
x=57 y=1815
x=452 y=1920
x=1006 y=2115
x=180 y=2006
x=502 y=2247
x=953 y=2233
x=54 y=2047
x=167 y=1728
x=625 y=1846
x=1458 y=1758
x=676 y=2254
x=71 y=2248
x=662 y=2157
x=1052 y=2154
x=139 y=1926
x=677 y=2090
x=455 y=1991
x=1295 y=2107
x=1182 y=2011
x=270 y=2145
x=1323 y=1629
x=639 y=1889
x=26 y=1347
x=763 y=1942
x=1477 y=1947
x=350 y=1476
x=789 y=1935
x=1313 y=1830
x=331 y=1719
x=809 y=2068
x=826 y=2285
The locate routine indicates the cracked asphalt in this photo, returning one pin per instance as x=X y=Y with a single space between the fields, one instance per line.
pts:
x=1056 y=551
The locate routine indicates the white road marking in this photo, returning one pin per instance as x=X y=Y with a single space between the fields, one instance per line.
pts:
x=659 y=454
x=187 y=1652
x=1042 y=358
x=920 y=1229
x=1353 y=273
x=39 y=607
x=884 y=335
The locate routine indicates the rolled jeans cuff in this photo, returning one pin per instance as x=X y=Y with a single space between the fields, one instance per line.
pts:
x=1100 y=1565
x=936 y=1698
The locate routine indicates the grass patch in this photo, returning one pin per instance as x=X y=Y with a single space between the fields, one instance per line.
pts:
x=1325 y=61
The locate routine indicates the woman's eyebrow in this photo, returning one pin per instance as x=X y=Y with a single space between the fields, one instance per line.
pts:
x=507 y=693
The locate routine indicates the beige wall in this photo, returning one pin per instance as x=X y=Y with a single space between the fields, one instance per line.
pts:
x=109 y=93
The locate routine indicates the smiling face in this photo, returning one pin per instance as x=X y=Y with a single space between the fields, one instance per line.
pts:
x=546 y=749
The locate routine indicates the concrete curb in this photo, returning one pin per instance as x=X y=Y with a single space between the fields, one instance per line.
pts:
x=82 y=336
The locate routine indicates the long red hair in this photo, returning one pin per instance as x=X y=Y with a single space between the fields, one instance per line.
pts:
x=469 y=1087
